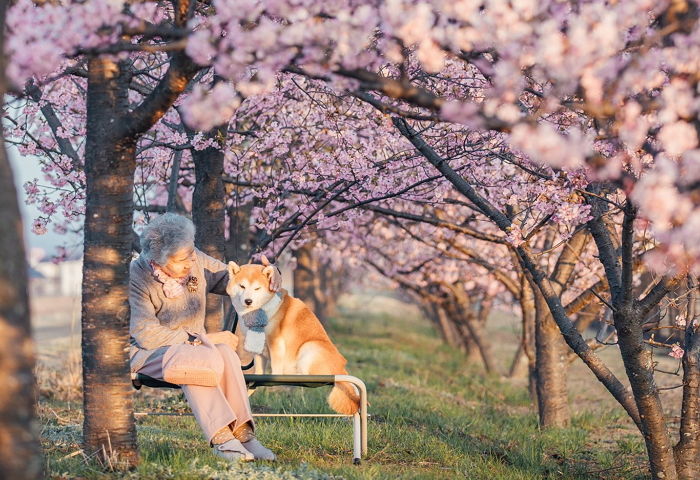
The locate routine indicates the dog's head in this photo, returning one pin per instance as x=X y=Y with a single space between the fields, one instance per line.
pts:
x=249 y=286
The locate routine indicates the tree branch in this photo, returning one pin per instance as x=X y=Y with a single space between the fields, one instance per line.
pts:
x=180 y=71
x=630 y=212
x=54 y=123
x=607 y=251
x=660 y=290
x=438 y=223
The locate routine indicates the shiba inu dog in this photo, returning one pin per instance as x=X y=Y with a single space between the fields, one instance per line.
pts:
x=295 y=340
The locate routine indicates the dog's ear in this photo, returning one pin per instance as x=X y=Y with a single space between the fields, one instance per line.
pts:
x=233 y=269
x=269 y=271
x=265 y=261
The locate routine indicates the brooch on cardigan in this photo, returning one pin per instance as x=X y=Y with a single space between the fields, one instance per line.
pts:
x=192 y=283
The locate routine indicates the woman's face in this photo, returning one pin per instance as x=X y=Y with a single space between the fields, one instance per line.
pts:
x=180 y=263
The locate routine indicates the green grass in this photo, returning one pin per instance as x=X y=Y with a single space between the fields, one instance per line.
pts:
x=433 y=416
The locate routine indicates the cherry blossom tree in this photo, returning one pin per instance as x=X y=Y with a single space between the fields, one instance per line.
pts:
x=599 y=98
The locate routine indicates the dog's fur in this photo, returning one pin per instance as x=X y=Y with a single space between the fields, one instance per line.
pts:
x=296 y=342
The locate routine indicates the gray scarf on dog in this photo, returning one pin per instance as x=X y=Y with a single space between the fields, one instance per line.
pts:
x=255 y=322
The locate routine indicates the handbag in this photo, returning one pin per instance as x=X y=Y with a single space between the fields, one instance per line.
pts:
x=196 y=363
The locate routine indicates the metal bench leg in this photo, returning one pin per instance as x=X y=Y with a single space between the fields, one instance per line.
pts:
x=363 y=417
x=356 y=439
x=363 y=406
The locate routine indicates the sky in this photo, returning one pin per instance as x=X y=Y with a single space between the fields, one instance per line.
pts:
x=25 y=169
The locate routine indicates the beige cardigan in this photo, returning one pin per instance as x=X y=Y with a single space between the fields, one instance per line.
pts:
x=158 y=321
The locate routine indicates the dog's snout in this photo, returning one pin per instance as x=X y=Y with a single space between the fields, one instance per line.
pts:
x=248 y=301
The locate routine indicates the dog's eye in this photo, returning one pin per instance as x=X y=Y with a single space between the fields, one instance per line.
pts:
x=242 y=287
x=257 y=288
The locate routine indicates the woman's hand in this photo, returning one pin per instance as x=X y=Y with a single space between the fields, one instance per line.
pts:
x=274 y=273
x=225 y=337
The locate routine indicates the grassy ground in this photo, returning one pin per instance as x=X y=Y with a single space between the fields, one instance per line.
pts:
x=433 y=417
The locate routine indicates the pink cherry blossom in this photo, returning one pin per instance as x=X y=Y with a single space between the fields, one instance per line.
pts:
x=678 y=137
x=676 y=351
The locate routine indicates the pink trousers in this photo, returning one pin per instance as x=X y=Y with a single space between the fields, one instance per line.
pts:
x=213 y=407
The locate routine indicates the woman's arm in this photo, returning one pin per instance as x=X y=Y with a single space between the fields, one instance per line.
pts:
x=215 y=273
x=144 y=326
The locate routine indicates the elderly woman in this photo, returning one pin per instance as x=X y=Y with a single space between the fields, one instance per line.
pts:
x=167 y=294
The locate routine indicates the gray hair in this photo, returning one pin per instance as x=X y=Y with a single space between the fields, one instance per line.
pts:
x=165 y=235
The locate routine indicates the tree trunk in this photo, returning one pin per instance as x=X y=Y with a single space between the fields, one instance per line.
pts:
x=429 y=310
x=331 y=286
x=628 y=316
x=687 y=451
x=472 y=323
x=174 y=201
x=551 y=349
x=306 y=278
x=320 y=294
x=518 y=365
x=480 y=336
x=20 y=450
x=463 y=338
x=527 y=344
x=208 y=215
x=551 y=368
x=110 y=160
x=481 y=343
x=239 y=235
x=432 y=311
x=449 y=333
x=529 y=312
x=639 y=365
x=109 y=172
x=466 y=342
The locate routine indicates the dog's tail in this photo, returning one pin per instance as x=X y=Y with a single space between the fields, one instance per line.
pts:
x=344 y=398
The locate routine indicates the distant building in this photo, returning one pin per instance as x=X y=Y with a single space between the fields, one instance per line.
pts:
x=63 y=279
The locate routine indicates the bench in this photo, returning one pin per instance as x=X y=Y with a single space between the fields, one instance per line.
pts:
x=310 y=381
